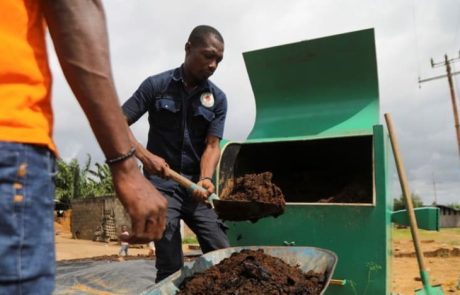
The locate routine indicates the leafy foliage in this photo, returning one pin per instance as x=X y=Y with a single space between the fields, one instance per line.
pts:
x=400 y=204
x=101 y=179
x=74 y=181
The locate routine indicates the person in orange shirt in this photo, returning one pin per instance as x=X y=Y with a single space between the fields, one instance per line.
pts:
x=27 y=151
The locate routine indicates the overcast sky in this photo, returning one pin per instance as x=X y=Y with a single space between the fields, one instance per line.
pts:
x=147 y=37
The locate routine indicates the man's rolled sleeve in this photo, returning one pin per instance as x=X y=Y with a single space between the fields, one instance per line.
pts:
x=137 y=104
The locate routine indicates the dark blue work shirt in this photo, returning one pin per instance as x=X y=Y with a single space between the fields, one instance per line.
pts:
x=179 y=120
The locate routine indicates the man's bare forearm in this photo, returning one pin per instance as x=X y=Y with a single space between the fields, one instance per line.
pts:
x=79 y=35
x=141 y=151
x=210 y=157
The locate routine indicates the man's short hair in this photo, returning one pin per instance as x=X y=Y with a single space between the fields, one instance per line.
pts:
x=199 y=33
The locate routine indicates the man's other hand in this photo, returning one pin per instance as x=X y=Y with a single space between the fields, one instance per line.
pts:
x=154 y=164
x=202 y=195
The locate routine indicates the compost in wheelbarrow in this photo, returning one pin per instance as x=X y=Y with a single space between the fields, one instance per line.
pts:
x=253 y=272
x=308 y=259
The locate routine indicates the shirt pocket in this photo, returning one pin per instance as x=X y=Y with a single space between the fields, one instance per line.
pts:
x=167 y=114
x=201 y=120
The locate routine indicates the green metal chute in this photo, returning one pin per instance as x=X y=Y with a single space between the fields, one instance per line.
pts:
x=427 y=218
x=326 y=86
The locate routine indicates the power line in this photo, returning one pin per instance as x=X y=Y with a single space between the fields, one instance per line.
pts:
x=435 y=202
x=457 y=26
x=447 y=63
x=415 y=37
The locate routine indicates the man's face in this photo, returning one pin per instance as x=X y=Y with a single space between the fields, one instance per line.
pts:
x=201 y=60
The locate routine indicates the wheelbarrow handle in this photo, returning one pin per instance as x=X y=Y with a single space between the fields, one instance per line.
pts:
x=190 y=185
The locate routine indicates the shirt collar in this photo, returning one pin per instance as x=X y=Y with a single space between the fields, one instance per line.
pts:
x=178 y=75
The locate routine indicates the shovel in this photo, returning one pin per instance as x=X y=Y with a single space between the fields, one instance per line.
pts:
x=231 y=210
x=427 y=288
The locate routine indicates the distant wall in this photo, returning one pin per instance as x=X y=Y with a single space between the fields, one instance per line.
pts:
x=449 y=217
x=452 y=220
x=121 y=216
x=88 y=216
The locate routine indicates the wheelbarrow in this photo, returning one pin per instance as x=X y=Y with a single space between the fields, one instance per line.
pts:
x=308 y=258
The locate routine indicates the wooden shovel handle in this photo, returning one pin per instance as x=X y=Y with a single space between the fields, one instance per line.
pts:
x=406 y=192
x=183 y=181
x=190 y=185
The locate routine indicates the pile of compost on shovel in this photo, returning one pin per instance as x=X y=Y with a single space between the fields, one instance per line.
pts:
x=254 y=188
x=253 y=272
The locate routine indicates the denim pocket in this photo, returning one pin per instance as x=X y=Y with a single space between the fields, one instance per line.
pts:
x=11 y=205
x=26 y=219
x=12 y=175
x=8 y=165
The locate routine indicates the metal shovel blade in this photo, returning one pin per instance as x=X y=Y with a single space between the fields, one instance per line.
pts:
x=245 y=210
x=232 y=210
x=430 y=290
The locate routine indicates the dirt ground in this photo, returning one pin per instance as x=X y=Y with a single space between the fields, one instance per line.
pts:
x=442 y=252
x=68 y=248
x=442 y=260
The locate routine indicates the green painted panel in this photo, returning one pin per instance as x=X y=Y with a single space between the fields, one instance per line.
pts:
x=382 y=153
x=359 y=234
x=427 y=218
x=323 y=86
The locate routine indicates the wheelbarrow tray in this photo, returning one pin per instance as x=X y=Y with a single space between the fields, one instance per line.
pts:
x=308 y=258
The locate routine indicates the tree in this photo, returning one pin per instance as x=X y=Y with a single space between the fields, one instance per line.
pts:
x=102 y=184
x=74 y=182
x=67 y=181
x=400 y=204
x=455 y=206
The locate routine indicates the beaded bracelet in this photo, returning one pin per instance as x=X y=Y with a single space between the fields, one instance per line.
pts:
x=129 y=154
x=208 y=178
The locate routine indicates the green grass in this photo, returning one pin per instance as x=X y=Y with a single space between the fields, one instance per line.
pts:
x=449 y=236
x=190 y=240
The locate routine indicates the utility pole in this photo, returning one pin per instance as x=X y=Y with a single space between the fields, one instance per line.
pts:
x=434 y=189
x=449 y=75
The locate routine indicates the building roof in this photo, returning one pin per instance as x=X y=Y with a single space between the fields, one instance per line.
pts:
x=444 y=207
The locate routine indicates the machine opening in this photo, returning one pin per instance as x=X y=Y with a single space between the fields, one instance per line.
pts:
x=324 y=171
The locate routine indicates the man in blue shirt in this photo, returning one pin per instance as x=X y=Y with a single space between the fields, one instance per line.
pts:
x=186 y=117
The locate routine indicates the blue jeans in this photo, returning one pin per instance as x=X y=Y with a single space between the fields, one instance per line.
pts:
x=27 y=259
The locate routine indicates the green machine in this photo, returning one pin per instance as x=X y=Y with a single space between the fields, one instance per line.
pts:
x=317 y=130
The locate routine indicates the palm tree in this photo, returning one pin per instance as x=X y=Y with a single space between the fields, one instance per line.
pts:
x=74 y=182
x=102 y=184
x=67 y=180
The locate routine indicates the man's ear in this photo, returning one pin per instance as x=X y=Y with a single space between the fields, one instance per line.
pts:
x=188 y=45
